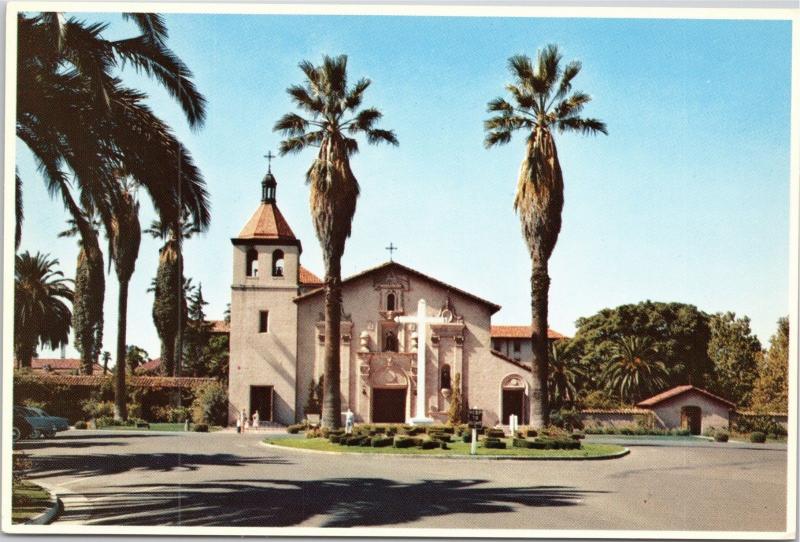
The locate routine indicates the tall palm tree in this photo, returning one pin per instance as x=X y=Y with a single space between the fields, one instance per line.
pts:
x=169 y=303
x=41 y=315
x=89 y=289
x=333 y=115
x=543 y=103
x=563 y=375
x=635 y=369
x=124 y=240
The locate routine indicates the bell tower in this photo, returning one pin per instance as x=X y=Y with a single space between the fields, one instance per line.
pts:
x=263 y=336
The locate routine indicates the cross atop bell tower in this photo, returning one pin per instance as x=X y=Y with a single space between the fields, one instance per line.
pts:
x=269 y=184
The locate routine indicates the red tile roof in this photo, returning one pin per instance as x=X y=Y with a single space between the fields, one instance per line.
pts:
x=61 y=364
x=219 y=326
x=679 y=390
x=267 y=223
x=134 y=381
x=616 y=411
x=387 y=265
x=151 y=366
x=307 y=278
x=520 y=332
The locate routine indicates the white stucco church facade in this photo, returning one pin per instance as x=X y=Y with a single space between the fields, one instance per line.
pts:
x=277 y=336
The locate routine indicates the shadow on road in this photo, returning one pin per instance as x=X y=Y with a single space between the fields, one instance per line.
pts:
x=343 y=502
x=103 y=464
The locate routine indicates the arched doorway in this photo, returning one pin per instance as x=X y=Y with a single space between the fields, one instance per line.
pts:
x=389 y=396
x=691 y=419
x=512 y=399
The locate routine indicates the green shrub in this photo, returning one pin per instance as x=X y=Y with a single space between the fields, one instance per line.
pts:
x=681 y=432
x=495 y=433
x=721 y=435
x=407 y=442
x=556 y=443
x=492 y=442
x=626 y=430
x=522 y=443
x=201 y=428
x=81 y=424
x=109 y=421
x=443 y=445
x=567 y=418
x=758 y=436
x=577 y=435
x=171 y=414
x=210 y=405
x=325 y=432
x=466 y=437
x=430 y=444
x=709 y=431
x=335 y=438
x=381 y=442
x=97 y=409
x=295 y=428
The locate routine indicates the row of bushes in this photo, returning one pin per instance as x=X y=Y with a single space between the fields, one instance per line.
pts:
x=757 y=423
x=632 y=429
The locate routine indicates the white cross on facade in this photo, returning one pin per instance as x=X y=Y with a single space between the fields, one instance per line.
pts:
x=421 y=320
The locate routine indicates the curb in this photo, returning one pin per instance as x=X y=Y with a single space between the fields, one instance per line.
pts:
x=50 y=514
x=616 y=455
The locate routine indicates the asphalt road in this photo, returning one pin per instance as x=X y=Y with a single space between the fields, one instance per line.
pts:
x=225 y=479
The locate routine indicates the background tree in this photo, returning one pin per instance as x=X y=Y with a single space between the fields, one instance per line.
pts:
x=106 y=357
x=771 y=389
x=734 y=352
x=134 y=358
x=333 y=115
x=90 y=287
x=197 y=336
x=125 y=236
x=564 y=374
x=169 y=314
x=679 y=332
x=41 y=315
x=543 y=104
x=635 y=370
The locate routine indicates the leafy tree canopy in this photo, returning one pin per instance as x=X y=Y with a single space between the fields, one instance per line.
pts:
x=771 y=388
x=734 y=352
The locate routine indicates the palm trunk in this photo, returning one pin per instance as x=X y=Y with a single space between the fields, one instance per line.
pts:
x=540 y=286
x=332 y=400
x=120 y=389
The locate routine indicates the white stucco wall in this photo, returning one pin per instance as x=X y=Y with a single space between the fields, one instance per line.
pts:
x=713 y=413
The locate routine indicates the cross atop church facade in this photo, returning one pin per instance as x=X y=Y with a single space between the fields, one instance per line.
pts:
x=269 y=156
x=391 y=248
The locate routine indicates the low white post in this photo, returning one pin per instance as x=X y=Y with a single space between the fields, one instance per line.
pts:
x=473 y=448
x=513 y=423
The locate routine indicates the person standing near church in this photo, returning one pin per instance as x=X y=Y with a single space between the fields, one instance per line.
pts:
x=244 y=419
x=256 y=420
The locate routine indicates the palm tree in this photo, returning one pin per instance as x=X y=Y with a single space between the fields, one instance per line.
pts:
x=40 y=313
x=89 y=290
x=543 y=102
x=124 y=240
x=19 y=211
x=106 y=357
x=635 y=369
x=333 y=115
x=563 y=375
x=169 y=303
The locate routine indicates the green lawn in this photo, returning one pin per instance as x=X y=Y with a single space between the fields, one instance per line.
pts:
x=456 y=449
x=154 y=427
x=27 y=500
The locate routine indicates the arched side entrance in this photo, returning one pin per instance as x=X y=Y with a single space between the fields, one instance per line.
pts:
x=691 y=419
x=389 y=396
x=513 y=394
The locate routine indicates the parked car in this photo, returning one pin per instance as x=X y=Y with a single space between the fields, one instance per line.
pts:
x=43 y=424
x=22 y=429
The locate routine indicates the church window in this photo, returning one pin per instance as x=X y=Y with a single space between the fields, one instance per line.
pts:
x=496 y=344
x=446 y=385
x=252 y=263
x=263 y=321
x=390 y=302
x=277 y=263
x=517 y=347
x=390 y=343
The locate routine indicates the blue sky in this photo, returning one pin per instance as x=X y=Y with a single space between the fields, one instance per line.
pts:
x=685 y=200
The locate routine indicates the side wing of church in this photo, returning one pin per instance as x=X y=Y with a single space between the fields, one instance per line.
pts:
x=277 y=334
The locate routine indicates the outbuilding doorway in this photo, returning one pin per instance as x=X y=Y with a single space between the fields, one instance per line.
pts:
x=388 y=405
x=691 y=419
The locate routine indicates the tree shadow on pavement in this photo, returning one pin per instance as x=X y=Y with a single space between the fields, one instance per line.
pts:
x=105 y=464
x=342 y=502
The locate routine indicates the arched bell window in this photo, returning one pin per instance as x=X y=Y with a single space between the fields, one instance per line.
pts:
x=252 y=263
x=390 y=302
x=445 y=378
x=277 y=263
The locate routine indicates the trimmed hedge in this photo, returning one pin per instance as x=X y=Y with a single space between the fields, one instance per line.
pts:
x=721 y=436
x=381 y=442
x=430 y=444
x=407 y=442
x=758 y=437
x=495 y=433
x=553 y=443
x=335 y=438
x=201 y=428
x=81 y=424
x=522 y=443
x=295 y=428
x=492 y=442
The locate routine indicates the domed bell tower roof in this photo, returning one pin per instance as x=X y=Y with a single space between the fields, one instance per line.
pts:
x=267 y=226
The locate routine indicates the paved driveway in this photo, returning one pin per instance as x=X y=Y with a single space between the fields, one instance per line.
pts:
x=224 y=479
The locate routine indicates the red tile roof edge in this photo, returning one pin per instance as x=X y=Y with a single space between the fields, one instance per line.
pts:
x=502 y=331
x=679 y=390
x=509 y=360
x=135 y=381
x=616 y=411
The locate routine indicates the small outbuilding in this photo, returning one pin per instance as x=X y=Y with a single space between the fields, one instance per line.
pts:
x=691 y=408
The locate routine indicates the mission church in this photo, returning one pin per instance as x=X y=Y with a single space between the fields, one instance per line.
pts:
x=277 y=334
